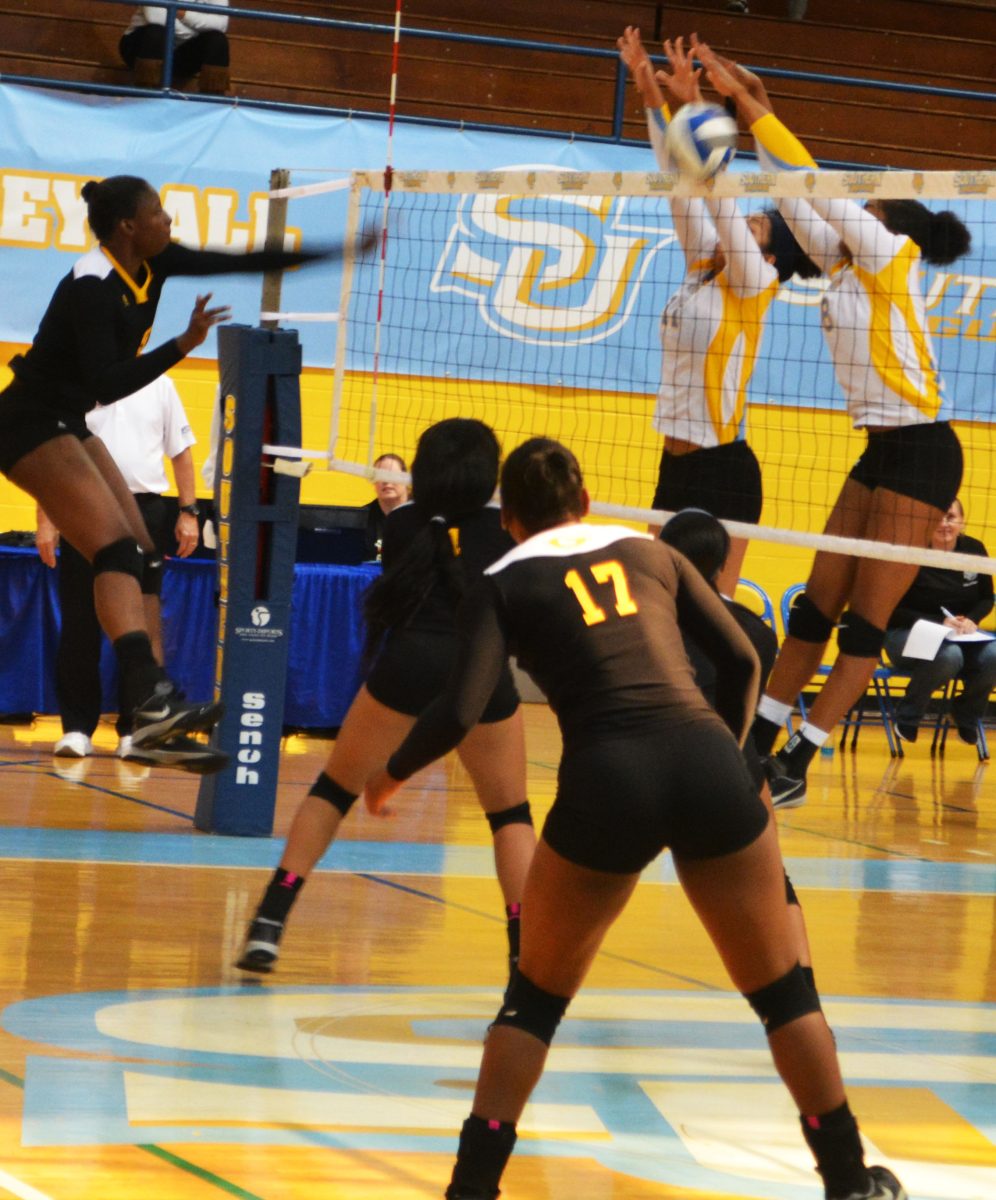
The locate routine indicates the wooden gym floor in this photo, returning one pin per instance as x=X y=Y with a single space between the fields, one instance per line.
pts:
x=136 y=1062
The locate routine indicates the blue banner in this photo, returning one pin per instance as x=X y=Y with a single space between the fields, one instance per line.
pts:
x=476 y=287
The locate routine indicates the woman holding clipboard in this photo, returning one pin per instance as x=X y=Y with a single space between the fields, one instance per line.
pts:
x=959 y=600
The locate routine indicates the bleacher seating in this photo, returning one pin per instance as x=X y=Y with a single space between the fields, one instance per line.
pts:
x=950 y=43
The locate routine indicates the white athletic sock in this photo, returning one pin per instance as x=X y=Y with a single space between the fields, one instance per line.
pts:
x=814 y=735
x=773 y=710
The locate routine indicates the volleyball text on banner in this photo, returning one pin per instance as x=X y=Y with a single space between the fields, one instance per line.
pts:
x=257 y=510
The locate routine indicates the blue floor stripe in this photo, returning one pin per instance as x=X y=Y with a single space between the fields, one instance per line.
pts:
x=420 y=858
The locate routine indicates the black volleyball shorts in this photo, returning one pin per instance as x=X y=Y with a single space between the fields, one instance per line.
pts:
x=412 y=668
x=722 y=480
x=25 y=425
x=622 y=800
x=923 y=462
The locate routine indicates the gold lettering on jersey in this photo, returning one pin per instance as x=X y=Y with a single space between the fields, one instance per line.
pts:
x=609 y=572
x=455 y=541
x=612 y=572
x=593 y=615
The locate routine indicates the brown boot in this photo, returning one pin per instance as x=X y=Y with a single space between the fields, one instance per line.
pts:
x=214 y=81
x=148 y=72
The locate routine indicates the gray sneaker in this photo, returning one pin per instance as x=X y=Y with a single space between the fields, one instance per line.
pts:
x=884 y=1186
x=166 y=713
x=262 y=948
x=181 y=753
x=786 y=790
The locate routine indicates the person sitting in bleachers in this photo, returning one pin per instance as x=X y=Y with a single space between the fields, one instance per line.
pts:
x=201 y=47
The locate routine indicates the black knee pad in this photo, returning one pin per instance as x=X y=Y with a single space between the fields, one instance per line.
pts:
x=520 y=814
x=152 y=573
x=790 y=896
x=858 y=637
x=785 y=1000
x=123 y=557
x=807 y=623
x=327 y=789
x=529 y=1008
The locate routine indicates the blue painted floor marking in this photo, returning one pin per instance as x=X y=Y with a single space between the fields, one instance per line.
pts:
x=425 y=858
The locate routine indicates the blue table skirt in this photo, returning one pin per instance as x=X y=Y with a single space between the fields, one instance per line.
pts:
x=326 y=636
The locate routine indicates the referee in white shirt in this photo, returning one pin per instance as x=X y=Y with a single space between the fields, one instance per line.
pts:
x=139 y=432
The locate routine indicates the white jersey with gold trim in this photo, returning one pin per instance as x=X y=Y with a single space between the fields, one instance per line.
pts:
x=711 y=328
x=873 y=312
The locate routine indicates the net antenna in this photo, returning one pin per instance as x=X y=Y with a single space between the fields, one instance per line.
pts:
x=289 y=460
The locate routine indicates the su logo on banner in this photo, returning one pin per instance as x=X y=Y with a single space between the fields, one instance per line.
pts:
x=552 y=270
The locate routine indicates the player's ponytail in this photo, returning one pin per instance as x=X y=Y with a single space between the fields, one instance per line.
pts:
x=790 y=258
x=941 y=236
x=541 y=485
x=112 y=200
x=454 y=474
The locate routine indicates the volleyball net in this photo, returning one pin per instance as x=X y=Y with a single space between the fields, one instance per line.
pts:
x=533 y=300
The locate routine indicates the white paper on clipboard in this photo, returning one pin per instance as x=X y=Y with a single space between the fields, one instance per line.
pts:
x=925 y=640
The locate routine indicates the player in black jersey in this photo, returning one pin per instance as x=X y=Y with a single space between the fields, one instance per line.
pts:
x=593 y=613
x=433 y=550
x=87 y=352
x=704 y=541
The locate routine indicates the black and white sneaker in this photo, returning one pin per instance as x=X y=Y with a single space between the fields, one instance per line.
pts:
x=180 y=752
x=786 y=790
x=884 y=1186
x=166 y=713
x=262 y=948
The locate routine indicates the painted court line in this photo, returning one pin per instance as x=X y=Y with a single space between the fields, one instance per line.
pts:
x=24 y=1191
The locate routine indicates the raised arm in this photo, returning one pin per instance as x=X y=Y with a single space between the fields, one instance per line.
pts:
x=692 y=223
x=746 y=268
x=778 y=149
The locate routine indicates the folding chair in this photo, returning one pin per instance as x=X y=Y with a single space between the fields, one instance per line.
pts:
x=767 y=613
x=942 y=723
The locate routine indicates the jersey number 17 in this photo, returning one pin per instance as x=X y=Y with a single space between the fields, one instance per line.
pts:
x=603 y=573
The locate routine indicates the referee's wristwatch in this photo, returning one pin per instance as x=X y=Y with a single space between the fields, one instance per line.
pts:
x=190 y=509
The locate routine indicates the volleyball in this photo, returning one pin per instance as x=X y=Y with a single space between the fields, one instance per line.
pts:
x=701 y=140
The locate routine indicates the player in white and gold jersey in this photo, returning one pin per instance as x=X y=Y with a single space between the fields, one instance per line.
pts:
x=712 y=327
x=875 y=328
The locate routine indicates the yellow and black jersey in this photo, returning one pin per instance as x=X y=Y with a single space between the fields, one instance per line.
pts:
x=87 y=350
x=592 y=613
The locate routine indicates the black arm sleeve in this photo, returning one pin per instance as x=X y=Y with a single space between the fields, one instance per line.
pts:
x=105 y=376
x=482 y=653
x=182 y=260
x=704 y=615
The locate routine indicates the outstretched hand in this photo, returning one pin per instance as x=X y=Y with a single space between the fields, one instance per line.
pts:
x=722 y=79
x=635 y=57
x=733 y=81
x=202 y=319
x=683 y=82
x=378 y=792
